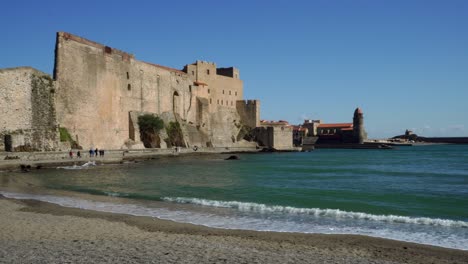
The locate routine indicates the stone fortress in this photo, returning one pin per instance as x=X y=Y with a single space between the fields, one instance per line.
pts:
x=97 y=93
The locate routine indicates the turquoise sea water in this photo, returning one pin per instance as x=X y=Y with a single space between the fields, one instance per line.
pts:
x=417 y=194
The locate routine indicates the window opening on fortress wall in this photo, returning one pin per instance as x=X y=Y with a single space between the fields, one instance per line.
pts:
x=229 y=92
x=193 y=72
x=236 y=93
x=218 y=101
x=208 y=71
x=222 y=102
x=223 y=91
x=129 y=87
x=128 y=76
x=208 y=90
x=107 y=50
x=210 y=100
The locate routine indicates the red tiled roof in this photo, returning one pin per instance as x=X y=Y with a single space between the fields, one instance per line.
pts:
x=336 y=125
x=299 y=128
x=347 y=129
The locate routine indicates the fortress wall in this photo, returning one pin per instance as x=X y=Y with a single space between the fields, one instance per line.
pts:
x=249 y=112
x=277 y=137
x=99 y=86
x=228 y=90
x=264 y=136
x=224 y=127
x=163 y=90
x=223 y=89
x=15 y=99
x=229 y=72
x=92 y=80
x=27 y=110
x=282 y=137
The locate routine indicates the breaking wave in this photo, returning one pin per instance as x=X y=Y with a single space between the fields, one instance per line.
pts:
x=78 y=167
x=334 y=213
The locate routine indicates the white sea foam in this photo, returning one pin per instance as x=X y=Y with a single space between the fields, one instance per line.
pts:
x=77 y=167
x=333 y=213
x=424 y=234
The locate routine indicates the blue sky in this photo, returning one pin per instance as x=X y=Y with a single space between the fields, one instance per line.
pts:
x=405 y=63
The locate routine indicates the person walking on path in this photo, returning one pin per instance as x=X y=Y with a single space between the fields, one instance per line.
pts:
x=96 y=152
x=70 y=154
x=78 y=154
x=91 y=153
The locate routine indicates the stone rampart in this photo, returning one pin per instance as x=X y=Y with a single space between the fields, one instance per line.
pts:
x=275 y=137
x=249 y=112
x=99 y=91
x=27 y=110
x=98 y=86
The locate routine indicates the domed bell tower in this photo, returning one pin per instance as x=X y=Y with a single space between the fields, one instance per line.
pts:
x=358 y=126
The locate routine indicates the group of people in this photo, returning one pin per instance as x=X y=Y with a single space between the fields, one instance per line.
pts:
x=92 y=153
x=96 y=152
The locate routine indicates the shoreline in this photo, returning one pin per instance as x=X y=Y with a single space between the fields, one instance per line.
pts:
x=257 y=245
x=15 y=161
x=36 y=160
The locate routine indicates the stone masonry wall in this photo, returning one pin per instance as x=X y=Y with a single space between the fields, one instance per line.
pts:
x=249 y=112
x=98 y=86
x=27 y=110
x=277 y=137
x=282 y=137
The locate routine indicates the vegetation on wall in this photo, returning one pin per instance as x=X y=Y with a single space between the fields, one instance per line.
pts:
x=64 y=135
x=175 y=136
x=150 y=123
x=150 y=126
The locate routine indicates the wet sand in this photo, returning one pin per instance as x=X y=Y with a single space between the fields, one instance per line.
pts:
x=39 y=232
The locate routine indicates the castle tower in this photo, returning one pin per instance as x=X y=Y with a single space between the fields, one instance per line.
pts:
x=358 y=126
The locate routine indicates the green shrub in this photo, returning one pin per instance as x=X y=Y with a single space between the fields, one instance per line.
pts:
x=149 y=130
x=174 y=133
x=150 y=124
x=64 y=135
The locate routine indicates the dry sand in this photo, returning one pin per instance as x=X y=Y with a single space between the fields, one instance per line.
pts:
x=38 y=232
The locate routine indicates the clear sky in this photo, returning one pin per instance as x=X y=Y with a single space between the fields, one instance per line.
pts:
x=405 y=63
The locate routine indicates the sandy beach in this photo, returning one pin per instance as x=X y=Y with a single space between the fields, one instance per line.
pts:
x=38 y=232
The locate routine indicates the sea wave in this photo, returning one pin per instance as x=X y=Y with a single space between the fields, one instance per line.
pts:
x=424 y=234
x=77 y=167
x=334 y=213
